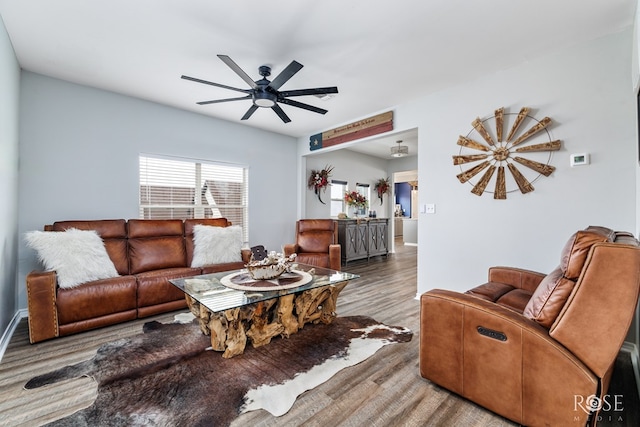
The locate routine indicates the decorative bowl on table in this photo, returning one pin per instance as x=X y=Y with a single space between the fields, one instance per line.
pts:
x=272 y=266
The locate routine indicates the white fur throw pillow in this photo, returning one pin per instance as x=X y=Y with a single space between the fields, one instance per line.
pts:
x=216 y=245
x=77 y=256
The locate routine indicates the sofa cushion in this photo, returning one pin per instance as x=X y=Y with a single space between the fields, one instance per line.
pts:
x=503 y=294
x=145 y=228
x=77 y=256
x=156 y=253
x=547 y=301
x=317 y=259
x=155 y=245
x=490 y=291
x=216 y=245
x=550 y=296
x=154 y=286
x=96 y=299
x=188 y=231
x=113 y=233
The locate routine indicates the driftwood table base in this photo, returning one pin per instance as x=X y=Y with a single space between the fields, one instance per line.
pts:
x=261 y=321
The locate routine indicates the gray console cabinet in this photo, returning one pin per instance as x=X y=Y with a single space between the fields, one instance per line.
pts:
x=363 y=238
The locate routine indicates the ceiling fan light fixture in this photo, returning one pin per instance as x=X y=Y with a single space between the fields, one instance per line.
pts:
x=264 y=99
x=399 y=150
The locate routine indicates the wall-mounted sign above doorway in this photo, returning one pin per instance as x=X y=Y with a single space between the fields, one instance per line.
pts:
x=361 y=129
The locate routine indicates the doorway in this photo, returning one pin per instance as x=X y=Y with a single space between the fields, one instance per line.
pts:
x=405 y=213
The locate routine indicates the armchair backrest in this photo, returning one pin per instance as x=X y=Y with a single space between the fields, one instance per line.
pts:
x=315 y=235
x=554 y=290
x=589 y=301
x=596 y=317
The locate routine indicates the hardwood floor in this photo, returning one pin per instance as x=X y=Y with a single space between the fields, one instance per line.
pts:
x=384 y=390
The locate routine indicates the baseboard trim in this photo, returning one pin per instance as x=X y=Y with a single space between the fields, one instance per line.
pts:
x=8 y=333
x=632 y=349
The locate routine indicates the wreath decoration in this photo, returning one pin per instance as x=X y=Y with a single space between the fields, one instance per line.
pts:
x=382 y=187
x=319 y=181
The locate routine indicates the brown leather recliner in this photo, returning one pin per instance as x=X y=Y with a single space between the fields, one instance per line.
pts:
x=537 y=349
x=316 y=243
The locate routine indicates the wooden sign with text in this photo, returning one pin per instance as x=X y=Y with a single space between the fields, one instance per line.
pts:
x=361 y=129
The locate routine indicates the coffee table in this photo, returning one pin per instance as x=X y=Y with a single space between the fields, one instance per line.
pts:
x=233 y=308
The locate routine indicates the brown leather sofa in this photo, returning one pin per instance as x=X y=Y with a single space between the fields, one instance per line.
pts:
x=146 y=254
x=316 y=243
x=536 y=348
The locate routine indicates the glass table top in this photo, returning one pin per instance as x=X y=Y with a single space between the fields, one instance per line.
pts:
x=232 y=289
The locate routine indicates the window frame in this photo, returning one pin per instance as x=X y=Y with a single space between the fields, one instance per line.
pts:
x=194 y=185
x=340 y=199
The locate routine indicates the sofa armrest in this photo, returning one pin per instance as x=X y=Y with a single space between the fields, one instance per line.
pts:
x=290 y=248
x=335 y=256
x=516 y=277
x=462 y=338
x=41 y=300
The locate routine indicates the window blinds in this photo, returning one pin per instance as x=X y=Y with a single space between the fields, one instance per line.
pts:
x=187 y=188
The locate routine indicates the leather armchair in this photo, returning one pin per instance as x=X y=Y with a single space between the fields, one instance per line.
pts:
x=536 y=348
x=316 y=243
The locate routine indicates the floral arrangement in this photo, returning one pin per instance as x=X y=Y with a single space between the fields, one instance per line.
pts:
x=319 y=180
x=382 y=187
x=353 y=198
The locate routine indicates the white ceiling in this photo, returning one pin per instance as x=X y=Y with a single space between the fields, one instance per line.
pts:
x=381 y=146
x=379 y=53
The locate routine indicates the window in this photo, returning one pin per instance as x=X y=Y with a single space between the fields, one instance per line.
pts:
x=187 y=188
x=338 y=188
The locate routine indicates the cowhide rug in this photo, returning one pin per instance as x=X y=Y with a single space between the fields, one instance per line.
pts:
x=169 y=375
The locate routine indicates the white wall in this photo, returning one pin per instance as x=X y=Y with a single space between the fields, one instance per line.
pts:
x=351 y=167
x=9 y=106
x=586 y=91
x=79 y=150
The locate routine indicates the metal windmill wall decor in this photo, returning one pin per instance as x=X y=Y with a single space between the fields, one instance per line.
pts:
x=531 y=148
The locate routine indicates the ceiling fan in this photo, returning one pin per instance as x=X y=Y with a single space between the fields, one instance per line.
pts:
x=264 y=93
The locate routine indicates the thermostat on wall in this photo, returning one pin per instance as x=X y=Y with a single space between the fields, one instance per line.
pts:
x=579 y=159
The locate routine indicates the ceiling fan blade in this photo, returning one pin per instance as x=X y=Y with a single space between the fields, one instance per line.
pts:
x=249 y=112
x=193 y=79
x=314 y=91
x=286 y=74
x=239 y=71
x=281 y=113
x=301 y=105
x=216 y=101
